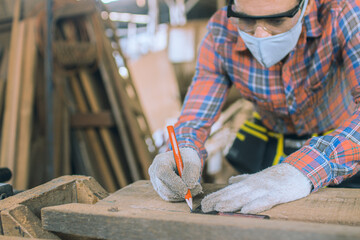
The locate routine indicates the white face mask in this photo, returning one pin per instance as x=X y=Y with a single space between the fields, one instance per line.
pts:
x=270 y=50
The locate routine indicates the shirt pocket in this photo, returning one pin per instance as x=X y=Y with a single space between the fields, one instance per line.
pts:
x=316 y=84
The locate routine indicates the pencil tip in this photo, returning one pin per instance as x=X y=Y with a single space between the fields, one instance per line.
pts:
x=189 y=203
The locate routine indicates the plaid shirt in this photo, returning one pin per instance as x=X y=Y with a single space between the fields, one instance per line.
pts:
x=315 y=89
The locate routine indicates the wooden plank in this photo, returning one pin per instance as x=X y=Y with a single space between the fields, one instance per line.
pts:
x=119 y=170
x=111 y=223
x=101 y=162
x=62 y=158
x=163 y=101
x=142 y=150
x=58 y=111
x=20 y=214
x=338 y=205
x=111 y=48
x=20 y=221
x=329 y=205
x=3 y=73
x=12 y=91
x=96 y=34
x=21 y=173
x=65 y=189
x=104 y=174
x=66 y=163
x=71 y=10
x=139 y=205
x=85 y=120
x=81 y=162
x=62 y=161
x=143 y=153
x=12 y=101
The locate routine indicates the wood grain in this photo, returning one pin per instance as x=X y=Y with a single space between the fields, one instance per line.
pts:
x=22 y=170
x=137 y=212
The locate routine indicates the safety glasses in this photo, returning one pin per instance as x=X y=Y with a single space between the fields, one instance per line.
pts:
x=274 y=24
x=288 y=14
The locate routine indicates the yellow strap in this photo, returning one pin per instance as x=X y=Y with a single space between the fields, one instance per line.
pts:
x=325 y=133
x=240 y=136
x=275 y=135
x=256 y=116
x=255 y=133
x=255 y=126
x=279 y=150
x=330 y=131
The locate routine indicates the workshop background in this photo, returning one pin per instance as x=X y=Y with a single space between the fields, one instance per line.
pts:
x=92 y=93
x=87 y=89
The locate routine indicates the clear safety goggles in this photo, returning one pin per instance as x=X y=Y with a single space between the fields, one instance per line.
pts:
x=274 y=24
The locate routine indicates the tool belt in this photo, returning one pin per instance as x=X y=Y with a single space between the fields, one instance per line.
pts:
x=256 y=148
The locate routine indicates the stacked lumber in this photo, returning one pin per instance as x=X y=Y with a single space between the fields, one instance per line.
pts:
x=100 y=129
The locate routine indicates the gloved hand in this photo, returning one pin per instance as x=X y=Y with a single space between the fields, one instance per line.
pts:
x=254 y=193
x=165 y=179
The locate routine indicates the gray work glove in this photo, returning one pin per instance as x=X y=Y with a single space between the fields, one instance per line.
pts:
x=165 y=179
x=254 y=193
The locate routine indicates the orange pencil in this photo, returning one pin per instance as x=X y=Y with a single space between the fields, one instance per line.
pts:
x=178 y=160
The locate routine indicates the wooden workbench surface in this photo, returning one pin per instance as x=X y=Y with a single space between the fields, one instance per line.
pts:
x=137 y=212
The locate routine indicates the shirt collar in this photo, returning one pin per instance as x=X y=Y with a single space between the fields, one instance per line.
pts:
x=311 y=21
x=311 y=24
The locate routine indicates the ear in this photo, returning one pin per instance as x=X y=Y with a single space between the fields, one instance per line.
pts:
x=308 y=7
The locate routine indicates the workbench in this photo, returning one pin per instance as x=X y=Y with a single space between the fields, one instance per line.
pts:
x=137 y=212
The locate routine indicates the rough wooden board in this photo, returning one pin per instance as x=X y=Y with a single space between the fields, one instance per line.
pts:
x=20 y=214
x=22 y=162
x=94 y=139
x=19 y=221
x=138 y=134
x=163 y=101
x=96 y=34
x=3 y=74
x=329 y=205
x=89 y=191
x=13 y=89
x=141 y=195
x=19 y=238
x=57 y=191
x=138 y=205
x=108 y=222
x=105 y=133
x=85 y=120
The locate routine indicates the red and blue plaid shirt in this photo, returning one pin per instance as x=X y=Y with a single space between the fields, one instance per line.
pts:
x=315 y=89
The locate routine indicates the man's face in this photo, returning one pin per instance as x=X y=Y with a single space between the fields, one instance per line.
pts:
x=267 y=26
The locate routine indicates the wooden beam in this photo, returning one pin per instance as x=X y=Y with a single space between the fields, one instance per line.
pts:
x=104 y=175
x=20 y=214
x=20 y=221
x=60 y=155
x=106 y=222
x=142 y=151
x=86 y=120
x=22 y=170
x=96 y=34
x=139 y=205
x=117 y=166
x=13 y=89
x=3 y=73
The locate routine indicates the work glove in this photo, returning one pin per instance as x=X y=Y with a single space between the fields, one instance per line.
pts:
x=254 y=193
x=165 y=179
